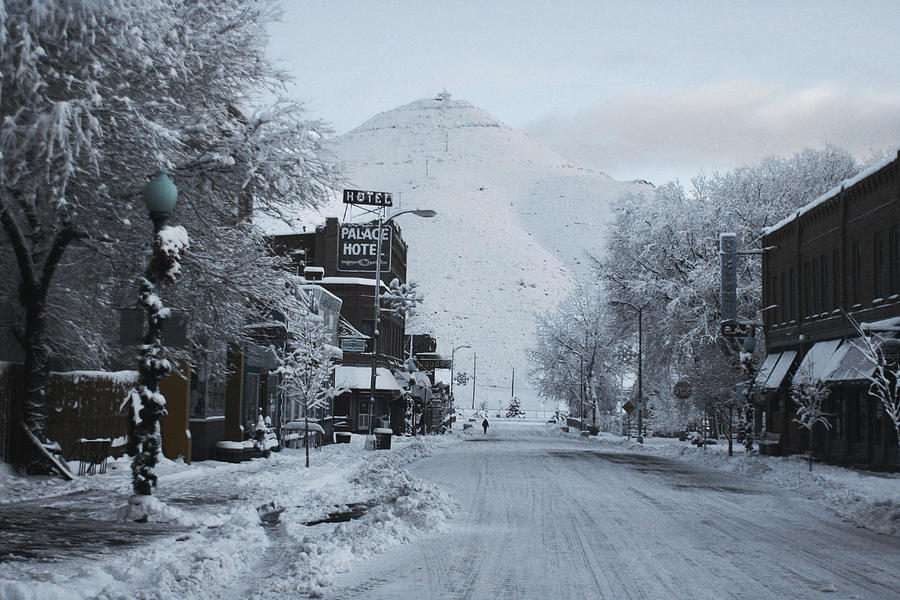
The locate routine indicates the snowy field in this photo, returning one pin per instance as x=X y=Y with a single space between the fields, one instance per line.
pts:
x=526 y=511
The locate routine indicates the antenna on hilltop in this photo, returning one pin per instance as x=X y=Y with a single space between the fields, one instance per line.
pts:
x=443 y=98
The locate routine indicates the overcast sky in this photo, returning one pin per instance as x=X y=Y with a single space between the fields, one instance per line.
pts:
x=652 y=90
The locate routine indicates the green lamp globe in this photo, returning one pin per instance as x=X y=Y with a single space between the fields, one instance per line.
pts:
x=160 y=195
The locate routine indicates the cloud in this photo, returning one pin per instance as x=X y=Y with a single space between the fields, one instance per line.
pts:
x=662 y=136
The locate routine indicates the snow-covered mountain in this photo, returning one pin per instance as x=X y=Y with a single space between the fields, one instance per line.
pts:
x=515 y=222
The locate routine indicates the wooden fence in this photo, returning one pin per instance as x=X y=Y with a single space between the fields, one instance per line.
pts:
x=82 y=404
x=10 y=410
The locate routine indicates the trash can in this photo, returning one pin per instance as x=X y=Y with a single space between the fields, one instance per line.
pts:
x=383 y=438
x=341 y=437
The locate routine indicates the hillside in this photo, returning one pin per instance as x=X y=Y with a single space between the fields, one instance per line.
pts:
x=515 y=221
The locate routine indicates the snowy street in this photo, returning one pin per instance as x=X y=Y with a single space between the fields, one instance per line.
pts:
x=526 y=511
x=548 y=515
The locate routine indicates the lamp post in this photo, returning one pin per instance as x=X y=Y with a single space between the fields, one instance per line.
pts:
x=427 y=213
x=640 y=312
x=147 y=404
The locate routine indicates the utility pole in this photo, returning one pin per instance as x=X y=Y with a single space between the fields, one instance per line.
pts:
x=474 y=366
x=512 y=392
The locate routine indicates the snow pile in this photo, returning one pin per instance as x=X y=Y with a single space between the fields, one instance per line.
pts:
x=235 y=530
x=402 y=507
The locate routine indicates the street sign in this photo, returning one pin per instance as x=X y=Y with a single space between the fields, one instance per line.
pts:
x=430 y=364
x=368 y=198
x=353 y=345
x=629 y=407
x=358 y=245
x=737 y=330
x=682 y=390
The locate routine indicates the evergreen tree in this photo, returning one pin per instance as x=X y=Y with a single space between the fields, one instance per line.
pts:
x=515 y=408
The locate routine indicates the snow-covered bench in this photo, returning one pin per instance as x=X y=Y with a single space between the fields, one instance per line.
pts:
x=294 y=433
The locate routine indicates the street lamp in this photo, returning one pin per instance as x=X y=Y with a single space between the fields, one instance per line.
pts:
x=426 y=213
x=640 y=312
x=147 y=404
x=451 y=367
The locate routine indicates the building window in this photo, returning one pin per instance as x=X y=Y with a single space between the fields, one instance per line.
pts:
x=878 y=264
x=814 y=288
x=771 y=316
x=807 y=291
x=894 y=262
x=783 y=309
x=876 y=431
x=792 y=290
x=823 y=283
x=860 y=417
x=362 y=416
x=857 y=272
x=837 y=415
x=836 y=277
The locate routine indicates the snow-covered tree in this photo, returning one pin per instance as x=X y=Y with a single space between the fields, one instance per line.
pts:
x=884 y=382
x=663 y=250
x=573 y=358
x=402 y=298
x=809 y=394
x=95 y=97
x=514 y=409
x=307 y=369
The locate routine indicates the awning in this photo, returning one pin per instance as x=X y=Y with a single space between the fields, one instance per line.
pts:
x=819 y=361
x=765 y=369
x=785 y=360
x=360 y=378
x=850 y=364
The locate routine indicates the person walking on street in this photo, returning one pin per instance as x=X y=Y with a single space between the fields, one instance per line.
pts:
x=485 y=425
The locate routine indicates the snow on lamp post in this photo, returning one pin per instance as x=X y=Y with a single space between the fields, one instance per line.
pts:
x=147 y=405
x=427 y=213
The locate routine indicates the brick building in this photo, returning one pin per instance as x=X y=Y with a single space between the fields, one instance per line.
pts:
x=837 y=256
x=340 y=258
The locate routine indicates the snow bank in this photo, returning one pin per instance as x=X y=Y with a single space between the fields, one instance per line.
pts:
x=221 y=546
x=402 y=507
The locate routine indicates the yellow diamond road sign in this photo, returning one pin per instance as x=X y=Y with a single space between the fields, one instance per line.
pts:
x=629 y=407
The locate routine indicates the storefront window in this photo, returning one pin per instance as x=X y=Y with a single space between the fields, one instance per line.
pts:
x=879 y=415
x=208 y=384
x=860 y=417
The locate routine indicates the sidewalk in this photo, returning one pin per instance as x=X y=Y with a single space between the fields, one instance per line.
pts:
x=213 y=540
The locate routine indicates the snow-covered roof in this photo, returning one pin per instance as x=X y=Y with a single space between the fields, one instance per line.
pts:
x=360 y=378
x=846 y=184
x=333 y=280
